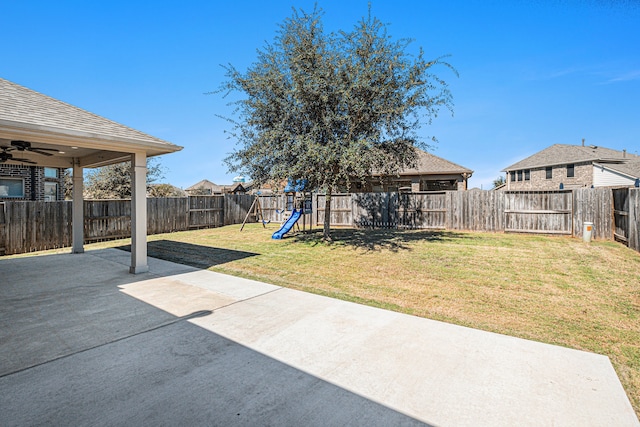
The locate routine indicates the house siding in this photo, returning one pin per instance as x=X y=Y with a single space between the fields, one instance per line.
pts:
x=583 y=177
x=603 y=177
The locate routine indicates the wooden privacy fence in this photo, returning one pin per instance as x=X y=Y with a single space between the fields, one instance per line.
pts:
x=205 y=211
x=111 y=219
x=548 y=212
x=3 y=228
x=626 y=211
x=33 y=226
x=634 y=219
x=621 y=215
x=273 y=207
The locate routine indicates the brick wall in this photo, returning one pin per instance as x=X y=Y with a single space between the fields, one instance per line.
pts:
x=34 y=179
x=583 y=177
x=17 y=171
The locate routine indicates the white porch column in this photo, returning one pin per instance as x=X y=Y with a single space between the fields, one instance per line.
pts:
x=77 y=216
x=138 y=213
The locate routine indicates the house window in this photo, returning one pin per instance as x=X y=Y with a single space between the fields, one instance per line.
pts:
x=513 y=176
x=549 y=172
x=527 y=174
x=11 y=187
x=519 y=175
x=50 y=173
x=570 y=171
x=50 y=191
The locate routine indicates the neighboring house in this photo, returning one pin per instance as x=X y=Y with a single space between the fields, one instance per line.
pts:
x=208 y=188
x=625 y=174
x=33 y=183
x=574 y=166
x=432 y=173
x=202 y=188
x=266 y=189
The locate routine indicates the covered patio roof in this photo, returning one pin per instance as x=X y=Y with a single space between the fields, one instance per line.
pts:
x=45 y=122
x=36 y=129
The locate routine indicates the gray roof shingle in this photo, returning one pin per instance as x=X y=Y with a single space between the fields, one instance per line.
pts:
x=19 y=104
x=205 y=183
x=429 y=164
x=560 y=154
x=630 y=167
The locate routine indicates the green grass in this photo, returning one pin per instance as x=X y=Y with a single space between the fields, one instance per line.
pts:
x=557 y=290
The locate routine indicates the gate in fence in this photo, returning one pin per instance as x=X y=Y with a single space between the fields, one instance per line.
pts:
x=621 y=215
x=546 y=212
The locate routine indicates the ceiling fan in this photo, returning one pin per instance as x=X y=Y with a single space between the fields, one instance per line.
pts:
x=5 y=155
x=26 y=146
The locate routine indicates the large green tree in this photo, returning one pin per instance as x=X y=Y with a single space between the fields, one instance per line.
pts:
x=499 y=181
x=332 y=107
x=114 y=181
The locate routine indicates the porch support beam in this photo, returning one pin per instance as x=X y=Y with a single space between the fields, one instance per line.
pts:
x=77 y=216
x=139 y=213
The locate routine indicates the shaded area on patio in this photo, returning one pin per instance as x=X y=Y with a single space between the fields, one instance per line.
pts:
x=197 y=256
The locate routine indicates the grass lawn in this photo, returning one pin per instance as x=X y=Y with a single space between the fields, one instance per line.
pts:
x=557 y=290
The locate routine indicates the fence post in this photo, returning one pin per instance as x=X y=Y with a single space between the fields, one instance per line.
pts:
x=634 y=218
x=3 y=229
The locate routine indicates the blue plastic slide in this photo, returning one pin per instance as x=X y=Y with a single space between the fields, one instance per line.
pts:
x=288 y=225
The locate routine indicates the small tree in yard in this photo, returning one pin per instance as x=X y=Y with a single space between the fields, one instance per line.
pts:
x=329 y=108
x=114 y=181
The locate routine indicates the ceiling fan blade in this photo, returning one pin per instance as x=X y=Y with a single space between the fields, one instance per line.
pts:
x=45 y=149
x=15 y=159
x=40 y=151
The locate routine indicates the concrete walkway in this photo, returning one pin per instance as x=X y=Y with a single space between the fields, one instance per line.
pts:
x=82 y=342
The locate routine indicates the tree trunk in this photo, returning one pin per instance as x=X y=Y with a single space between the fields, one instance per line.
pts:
x=326 y=234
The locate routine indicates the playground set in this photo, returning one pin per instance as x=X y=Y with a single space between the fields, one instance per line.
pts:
x=298 y=206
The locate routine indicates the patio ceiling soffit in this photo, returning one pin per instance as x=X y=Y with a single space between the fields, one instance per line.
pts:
x=90 y=149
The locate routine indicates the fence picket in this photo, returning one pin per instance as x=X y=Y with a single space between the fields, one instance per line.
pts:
x=30 y=226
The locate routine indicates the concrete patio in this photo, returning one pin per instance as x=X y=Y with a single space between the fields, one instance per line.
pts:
x=83 y=342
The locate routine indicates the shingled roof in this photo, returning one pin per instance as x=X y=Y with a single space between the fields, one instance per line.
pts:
x=206 y=184
x=429 y=164
x=629 y=167
x=561 y=154
x=25 y=110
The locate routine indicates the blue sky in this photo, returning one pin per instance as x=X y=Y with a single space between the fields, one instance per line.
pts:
x=531 y=73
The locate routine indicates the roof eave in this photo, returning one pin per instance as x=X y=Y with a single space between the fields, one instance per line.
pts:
x=456 y=172
x=607 y=166
x=544 y=165
x=48 y=134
